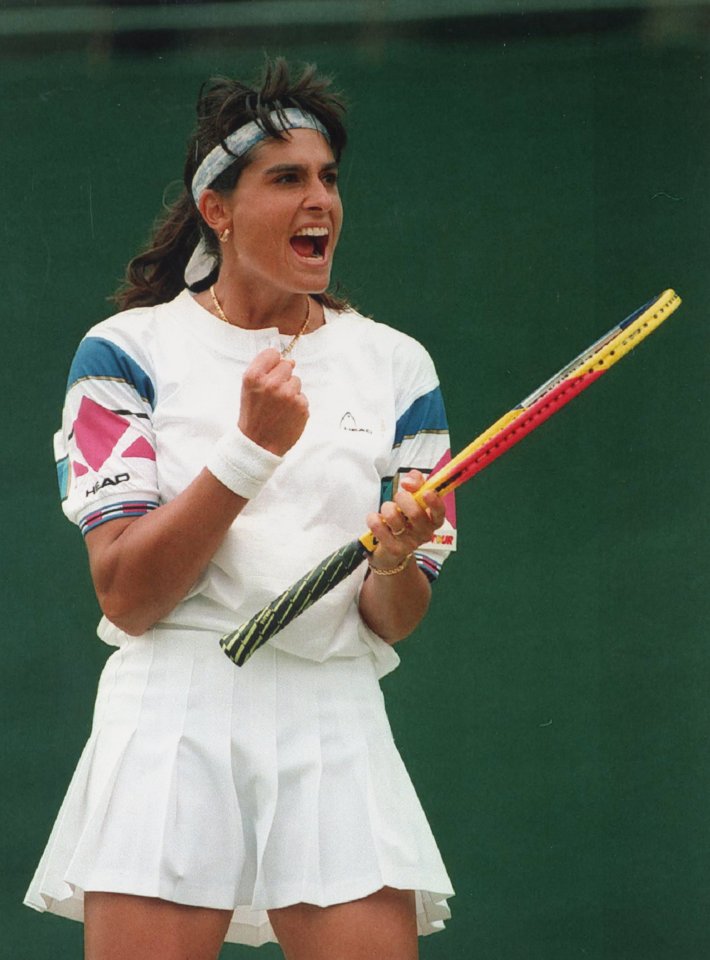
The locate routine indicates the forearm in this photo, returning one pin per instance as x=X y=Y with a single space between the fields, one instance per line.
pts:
x=145 y=567
x=393 y=606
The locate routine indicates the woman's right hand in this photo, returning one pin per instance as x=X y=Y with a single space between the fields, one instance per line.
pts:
x=273 y=410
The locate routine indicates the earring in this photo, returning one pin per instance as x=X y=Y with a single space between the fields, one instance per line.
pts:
x=225 y=235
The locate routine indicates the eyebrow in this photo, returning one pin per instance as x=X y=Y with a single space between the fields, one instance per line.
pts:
x=297 y=168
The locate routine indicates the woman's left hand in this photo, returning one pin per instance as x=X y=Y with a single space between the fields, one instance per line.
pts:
x=402 y=524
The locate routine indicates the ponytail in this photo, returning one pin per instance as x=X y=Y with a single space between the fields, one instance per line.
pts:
x=158 y=273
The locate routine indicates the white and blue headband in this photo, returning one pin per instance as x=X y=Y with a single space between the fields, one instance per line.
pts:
x=244 y=138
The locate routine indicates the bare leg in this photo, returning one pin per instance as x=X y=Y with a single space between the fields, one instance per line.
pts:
x=382 y=926
x=118 y=926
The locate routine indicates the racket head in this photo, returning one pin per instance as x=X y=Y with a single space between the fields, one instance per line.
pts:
x=585 y=368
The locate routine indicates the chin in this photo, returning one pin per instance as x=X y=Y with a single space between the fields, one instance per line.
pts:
x=315 y=284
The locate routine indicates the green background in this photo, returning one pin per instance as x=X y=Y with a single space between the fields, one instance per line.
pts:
x=513 y=188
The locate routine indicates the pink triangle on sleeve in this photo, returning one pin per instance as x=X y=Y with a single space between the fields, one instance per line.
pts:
x=140 y=448
x=97 y=431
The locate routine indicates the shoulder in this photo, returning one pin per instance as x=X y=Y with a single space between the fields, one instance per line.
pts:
x=404 y=349
x=124 y=348
x=411 y=368
x=136 y=329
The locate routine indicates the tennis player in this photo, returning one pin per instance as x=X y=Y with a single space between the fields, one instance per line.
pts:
x=226 y=430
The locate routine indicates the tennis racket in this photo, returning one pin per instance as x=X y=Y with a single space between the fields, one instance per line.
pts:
x=554 y=393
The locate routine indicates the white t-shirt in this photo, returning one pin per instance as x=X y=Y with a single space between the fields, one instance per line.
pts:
x=152 y=389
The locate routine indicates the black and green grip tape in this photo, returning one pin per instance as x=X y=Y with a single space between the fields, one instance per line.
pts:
x=242 y=642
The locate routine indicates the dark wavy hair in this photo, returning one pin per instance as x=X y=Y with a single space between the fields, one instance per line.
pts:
x=156 y=275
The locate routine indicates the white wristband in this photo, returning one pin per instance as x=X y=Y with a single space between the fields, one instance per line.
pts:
x=240 y=464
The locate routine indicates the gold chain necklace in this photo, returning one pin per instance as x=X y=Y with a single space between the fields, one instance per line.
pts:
x=289 y=346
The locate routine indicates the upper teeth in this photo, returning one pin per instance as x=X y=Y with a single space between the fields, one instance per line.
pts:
x=312 y=232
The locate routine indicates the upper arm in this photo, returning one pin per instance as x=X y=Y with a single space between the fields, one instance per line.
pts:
x=106 y=449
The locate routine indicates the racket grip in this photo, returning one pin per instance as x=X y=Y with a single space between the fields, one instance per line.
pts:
x=241 y=643
x=369 y=541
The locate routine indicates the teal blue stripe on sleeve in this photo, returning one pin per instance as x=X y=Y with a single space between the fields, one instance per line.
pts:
x=100 y=359
x=386 y=489
x=63 y=476
x=426 y=414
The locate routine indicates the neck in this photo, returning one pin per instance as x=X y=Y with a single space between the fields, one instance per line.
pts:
x=286 y=311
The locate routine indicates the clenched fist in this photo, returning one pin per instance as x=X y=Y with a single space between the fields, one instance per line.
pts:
x=273 y=410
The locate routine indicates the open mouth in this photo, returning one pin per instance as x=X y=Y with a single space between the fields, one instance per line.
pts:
x=311 y=243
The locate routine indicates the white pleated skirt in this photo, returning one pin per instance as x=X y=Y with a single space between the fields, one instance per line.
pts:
x=239 y=788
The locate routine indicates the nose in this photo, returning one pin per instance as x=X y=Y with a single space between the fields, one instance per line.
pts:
x=318 y=195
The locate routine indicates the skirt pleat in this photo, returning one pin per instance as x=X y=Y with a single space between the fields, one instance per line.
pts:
x=242 y=789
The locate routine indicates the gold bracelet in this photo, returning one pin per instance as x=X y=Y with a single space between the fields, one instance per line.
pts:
x=390 y=571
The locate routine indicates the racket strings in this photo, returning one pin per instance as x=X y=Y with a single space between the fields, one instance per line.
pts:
x=510 y=435
x=557 y=394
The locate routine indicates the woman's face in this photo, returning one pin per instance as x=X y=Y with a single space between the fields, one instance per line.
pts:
x=286 y=215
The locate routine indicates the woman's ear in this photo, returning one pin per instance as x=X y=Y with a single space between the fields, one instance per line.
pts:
x=214 y=211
